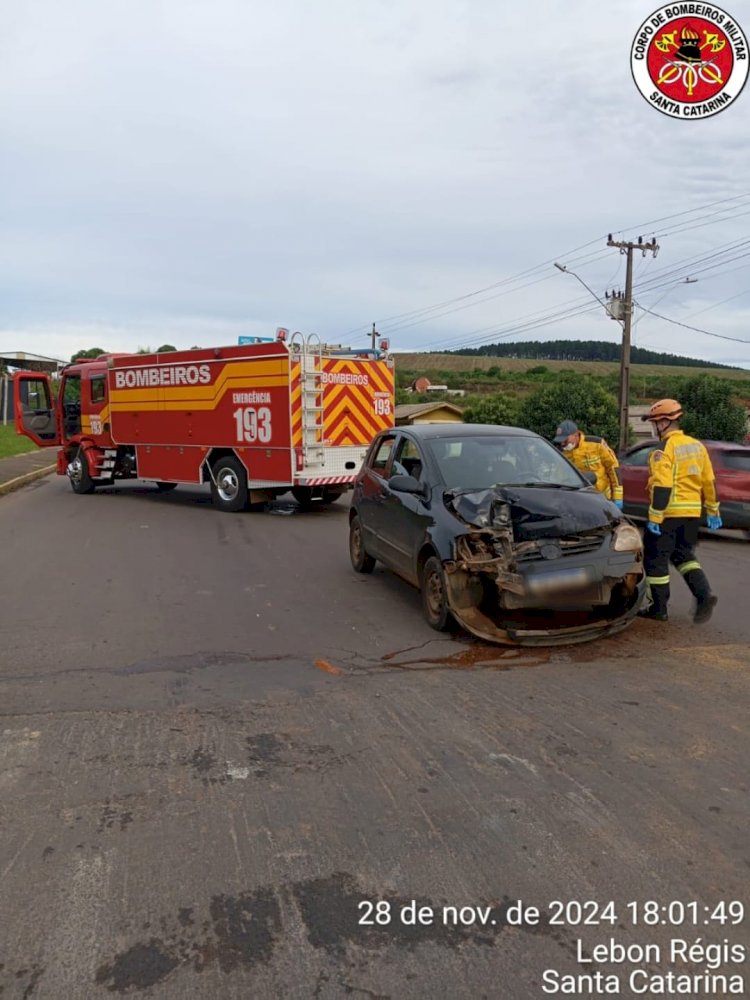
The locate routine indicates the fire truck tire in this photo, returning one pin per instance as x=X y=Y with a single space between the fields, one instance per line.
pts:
x=362 y=561
x=331 y=496
x=304 y=497
x=434 y=596
x=229 y=484
x=165 y=487
x=79 y=475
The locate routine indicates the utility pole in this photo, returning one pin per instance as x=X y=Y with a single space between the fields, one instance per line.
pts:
x=627 y=247
x=374 y=336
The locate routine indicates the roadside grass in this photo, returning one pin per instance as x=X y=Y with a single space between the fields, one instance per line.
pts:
x=12 y=443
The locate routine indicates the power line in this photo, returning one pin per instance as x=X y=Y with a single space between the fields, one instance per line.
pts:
x=514 y=283
x=696 y=329
x=715 y=305
x=689 y=211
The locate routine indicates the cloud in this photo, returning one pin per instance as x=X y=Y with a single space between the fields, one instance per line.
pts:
x=235 y=167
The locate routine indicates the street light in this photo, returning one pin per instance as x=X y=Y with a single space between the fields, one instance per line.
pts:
x=624 y=351
x=561 y=267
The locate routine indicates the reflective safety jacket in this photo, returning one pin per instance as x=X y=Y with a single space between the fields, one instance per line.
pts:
x=593 y=454
x=681 y=479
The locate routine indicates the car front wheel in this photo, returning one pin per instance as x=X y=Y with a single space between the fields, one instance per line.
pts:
x=434 y=596
x=362 y=561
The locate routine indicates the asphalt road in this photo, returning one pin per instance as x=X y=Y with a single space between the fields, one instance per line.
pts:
x=220 y=745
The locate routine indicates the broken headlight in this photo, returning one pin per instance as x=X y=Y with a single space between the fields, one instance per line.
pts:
x=626 y=538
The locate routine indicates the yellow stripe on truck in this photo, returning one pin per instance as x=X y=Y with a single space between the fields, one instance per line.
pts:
x=154 y=402
x=251 y=372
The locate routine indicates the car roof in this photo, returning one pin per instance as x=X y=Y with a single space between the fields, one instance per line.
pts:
x=726 y=445
x=716 y=445
x=448 y=429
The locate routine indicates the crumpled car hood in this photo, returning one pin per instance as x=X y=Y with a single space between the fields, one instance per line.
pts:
x=535 y=512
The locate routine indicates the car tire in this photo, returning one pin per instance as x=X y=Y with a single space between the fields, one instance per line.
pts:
x=81 y=481
x=229 y=484
x=362 y=561
x=165 y=487
x=434 y=596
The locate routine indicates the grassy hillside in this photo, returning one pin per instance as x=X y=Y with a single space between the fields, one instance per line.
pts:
x=426 y=363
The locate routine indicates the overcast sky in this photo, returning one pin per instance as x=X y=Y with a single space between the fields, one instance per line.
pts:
x=191 y=171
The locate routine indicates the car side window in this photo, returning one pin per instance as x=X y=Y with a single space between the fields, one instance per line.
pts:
x=407 y=461
x=382 y=455
x=638 y=458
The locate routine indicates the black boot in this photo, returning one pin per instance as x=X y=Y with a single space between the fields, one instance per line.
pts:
x=700 y=588
x=657 y=610
x=657 y=616
x=704 y=609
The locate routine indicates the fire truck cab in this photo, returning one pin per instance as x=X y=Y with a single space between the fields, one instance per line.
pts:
x=254 y=421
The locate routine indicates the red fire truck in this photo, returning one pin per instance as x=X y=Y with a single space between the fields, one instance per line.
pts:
x=257 y=420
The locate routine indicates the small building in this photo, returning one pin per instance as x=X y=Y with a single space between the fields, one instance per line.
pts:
x=428 y=413
x=642 y=430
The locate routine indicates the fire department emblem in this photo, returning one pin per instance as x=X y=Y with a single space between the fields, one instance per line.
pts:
x=690 y=60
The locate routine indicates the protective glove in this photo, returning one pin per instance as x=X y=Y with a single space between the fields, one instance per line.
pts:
x=714 y=522
x=618 y=503
x=655 y=529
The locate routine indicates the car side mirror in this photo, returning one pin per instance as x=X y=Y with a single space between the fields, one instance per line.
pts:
x=590 y=478
x=406 y=484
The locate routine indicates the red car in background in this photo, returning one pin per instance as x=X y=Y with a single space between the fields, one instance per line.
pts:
x=731 y=464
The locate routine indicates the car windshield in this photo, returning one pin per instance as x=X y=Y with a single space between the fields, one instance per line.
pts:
x=484 y=461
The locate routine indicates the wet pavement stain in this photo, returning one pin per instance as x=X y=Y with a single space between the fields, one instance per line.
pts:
x=32 y=976
x=246 y=927
x=331 y=909
x=139 y=967
x=203 y=762
x=479 y=655
x=279 y=750
x=241 y=932
x=111 y=815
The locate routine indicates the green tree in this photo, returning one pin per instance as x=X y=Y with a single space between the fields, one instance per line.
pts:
x=165 y=348
x=91 y=352
x=495 y=409
x=572 y=397
x=711 y=411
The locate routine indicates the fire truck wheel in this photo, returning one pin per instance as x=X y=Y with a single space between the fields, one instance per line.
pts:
x=331 y=496
x=79 y=475
x=434 y=597
x=165 y=487
x=229 y=484
x=304 y=497
x=362 y=561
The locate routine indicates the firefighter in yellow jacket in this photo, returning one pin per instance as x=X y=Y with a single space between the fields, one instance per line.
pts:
x=591 y=454
x=680 y=485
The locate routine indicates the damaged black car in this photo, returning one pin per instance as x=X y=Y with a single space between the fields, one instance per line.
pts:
x=499 y=532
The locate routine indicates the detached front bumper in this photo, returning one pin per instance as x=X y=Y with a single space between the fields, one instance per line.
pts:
x=483 y=627
x=571 y=600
